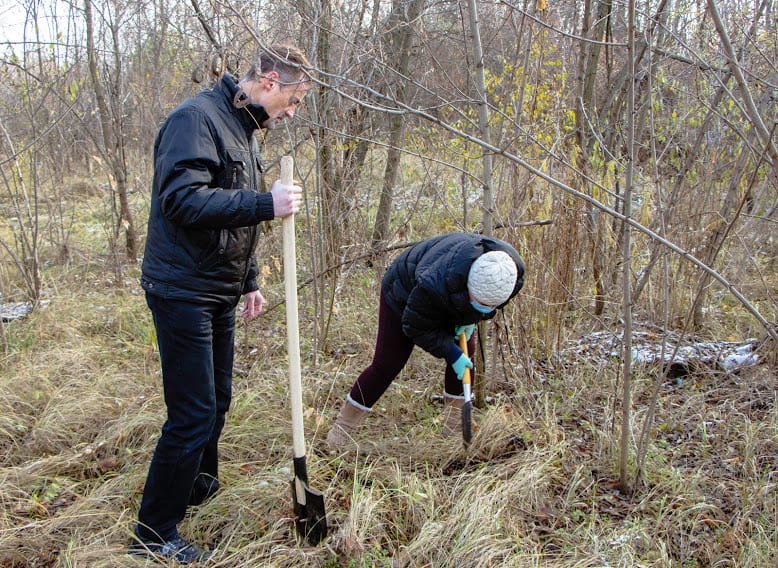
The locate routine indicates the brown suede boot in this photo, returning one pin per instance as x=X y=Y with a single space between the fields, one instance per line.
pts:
x=341 y=435
x=452 y=416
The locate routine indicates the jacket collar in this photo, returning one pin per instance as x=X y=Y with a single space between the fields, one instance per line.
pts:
x=251 y=116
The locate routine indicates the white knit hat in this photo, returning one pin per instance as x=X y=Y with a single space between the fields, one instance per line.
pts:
x=492 y=278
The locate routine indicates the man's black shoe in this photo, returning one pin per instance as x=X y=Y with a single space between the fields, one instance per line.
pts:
x=178 y=549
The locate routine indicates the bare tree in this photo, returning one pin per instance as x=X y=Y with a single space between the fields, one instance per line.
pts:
x=400 y=42
x=626 y=259
x=110 y=107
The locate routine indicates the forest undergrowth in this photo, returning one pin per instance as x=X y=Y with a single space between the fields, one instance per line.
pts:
x=627 y=150
x=81 y=406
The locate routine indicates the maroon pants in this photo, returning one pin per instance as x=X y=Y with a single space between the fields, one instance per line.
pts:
x=392 y=350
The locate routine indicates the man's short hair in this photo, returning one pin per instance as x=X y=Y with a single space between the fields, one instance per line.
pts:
x=289 y=61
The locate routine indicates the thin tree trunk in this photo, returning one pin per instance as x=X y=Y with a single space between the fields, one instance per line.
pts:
x=487 y=198
x=587 y=73
x=112 y=141
x=403 y=16
x=626 y=398
x=483 y=119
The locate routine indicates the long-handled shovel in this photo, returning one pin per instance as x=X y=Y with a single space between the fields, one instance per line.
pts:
x=311 y=522
x=467 y=408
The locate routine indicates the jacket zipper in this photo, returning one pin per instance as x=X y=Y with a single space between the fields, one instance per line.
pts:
x=253 y=229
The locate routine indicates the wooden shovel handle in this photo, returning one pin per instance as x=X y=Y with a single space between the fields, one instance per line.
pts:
x=292 y=320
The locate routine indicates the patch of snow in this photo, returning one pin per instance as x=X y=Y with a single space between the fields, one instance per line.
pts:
x=18 y=310
x=653 y=347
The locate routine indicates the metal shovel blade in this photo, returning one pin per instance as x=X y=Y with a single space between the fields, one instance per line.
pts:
x=311 y=519
x=467 y=408
x=467 y=423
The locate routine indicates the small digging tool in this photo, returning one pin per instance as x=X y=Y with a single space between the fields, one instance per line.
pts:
x=311 y=521
x=467 y=408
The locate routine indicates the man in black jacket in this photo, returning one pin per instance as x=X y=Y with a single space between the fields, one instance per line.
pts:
x=199 y=261
x=430 y=293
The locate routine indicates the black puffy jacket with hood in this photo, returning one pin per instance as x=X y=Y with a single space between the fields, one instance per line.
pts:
x=427 y=287
x=205 y=202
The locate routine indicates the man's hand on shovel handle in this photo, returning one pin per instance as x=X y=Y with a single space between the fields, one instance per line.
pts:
x=286 y=198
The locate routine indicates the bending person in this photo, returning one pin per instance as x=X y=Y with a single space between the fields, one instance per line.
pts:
x=429 y=294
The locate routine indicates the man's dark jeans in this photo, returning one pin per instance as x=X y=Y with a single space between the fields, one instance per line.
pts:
x=196 y=345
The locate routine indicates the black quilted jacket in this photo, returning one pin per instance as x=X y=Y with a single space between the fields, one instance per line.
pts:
x=205 y=203
x=427 y=287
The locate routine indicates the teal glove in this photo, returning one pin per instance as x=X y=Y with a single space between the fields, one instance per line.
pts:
x=460 y=364
x=468 y=329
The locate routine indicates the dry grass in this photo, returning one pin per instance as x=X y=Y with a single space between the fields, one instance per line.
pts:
x=80 y=409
